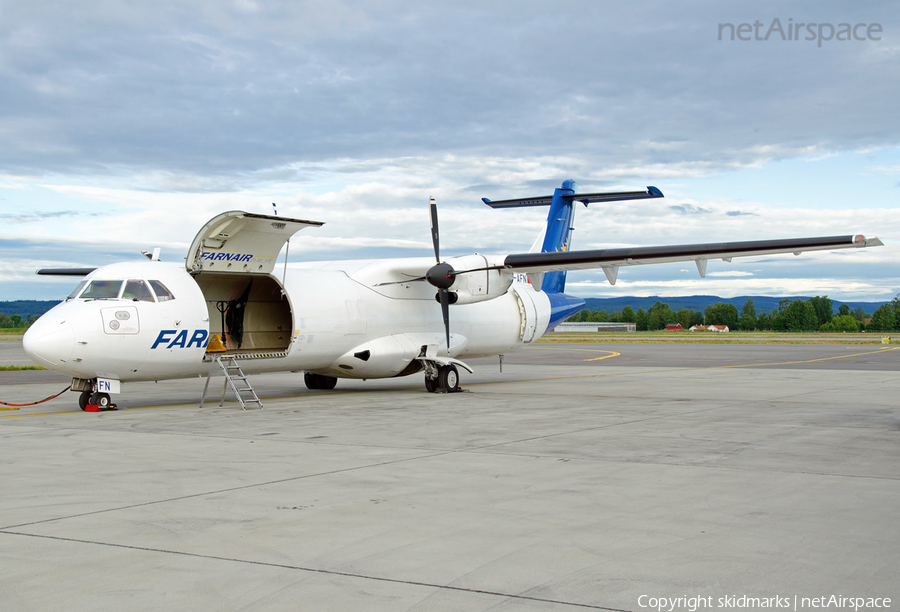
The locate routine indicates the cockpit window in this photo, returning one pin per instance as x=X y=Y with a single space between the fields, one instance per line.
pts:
x=162 y=294
x=138 y=291
x=102 y=289
x=77 y=290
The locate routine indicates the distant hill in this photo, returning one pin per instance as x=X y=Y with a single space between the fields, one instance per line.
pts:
x=763 y=303
x=26 y=308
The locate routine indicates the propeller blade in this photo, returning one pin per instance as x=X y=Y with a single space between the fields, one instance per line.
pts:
x=435 y=235
x=456 y=273
x=403 y=282
x=440 y=275
x=445 y=311
x=436 y=275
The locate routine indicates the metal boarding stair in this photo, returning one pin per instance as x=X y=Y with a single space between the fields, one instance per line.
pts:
x=235 y=378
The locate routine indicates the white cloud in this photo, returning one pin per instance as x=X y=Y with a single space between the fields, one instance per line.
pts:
x=886 y=169
x=734 y=273
x=835 y=288
x=148 y=120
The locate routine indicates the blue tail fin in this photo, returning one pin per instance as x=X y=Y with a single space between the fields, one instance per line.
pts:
x=558 y=235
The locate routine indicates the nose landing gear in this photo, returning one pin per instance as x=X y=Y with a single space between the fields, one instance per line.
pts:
x=91 y=401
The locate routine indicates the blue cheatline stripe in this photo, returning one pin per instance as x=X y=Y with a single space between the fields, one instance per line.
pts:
x=562 y=306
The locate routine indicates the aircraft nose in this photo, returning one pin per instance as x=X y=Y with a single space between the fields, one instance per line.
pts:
x=49 y=342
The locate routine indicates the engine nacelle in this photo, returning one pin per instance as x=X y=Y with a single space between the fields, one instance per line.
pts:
x=378 y=358
x=482 y=285
x=392 y=355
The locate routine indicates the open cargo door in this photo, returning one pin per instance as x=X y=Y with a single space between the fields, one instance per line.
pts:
x=232 y=259
x=238 y=242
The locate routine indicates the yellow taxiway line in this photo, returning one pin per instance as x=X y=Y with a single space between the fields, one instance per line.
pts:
x=503 y=382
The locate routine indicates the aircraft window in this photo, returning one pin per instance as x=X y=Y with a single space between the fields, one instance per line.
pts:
x=138 y=291
x=100 y=290
x=162 y=294
x=77 y=290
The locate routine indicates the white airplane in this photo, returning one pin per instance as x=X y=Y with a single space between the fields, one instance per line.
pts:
x=149 y=320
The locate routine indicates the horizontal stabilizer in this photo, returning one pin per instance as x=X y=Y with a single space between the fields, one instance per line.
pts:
x=584 y=198
x=65 y=271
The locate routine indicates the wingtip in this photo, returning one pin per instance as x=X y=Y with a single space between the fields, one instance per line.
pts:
x=64 y=271
x=861 y=241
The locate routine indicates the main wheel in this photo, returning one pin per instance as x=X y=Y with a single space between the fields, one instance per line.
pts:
x=100 y=399
x=84 y=399
x=431 y=384
x=311 y=380
x=448 y=379
x=317 y=381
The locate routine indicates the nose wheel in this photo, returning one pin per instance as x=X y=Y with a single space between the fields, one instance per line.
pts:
x=97 y=399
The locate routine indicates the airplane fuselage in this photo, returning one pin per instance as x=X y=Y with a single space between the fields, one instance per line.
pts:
x=323 y=318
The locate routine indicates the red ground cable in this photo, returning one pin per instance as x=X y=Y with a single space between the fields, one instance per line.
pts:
x=39 y=401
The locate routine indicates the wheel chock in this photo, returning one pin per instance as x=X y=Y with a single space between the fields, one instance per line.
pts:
x=96 y=408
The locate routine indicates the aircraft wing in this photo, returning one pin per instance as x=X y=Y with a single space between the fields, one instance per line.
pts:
x=611 y=259
x=65 y=271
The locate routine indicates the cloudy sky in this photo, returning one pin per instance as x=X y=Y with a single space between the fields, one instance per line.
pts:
x=125 y=125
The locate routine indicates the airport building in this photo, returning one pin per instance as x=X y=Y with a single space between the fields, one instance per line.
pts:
x=584 y=326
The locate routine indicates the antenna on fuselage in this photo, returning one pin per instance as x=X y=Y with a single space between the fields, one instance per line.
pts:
x=287 y=251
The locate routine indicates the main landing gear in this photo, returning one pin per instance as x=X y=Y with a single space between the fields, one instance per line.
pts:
x=317 y=381
x=446 y=381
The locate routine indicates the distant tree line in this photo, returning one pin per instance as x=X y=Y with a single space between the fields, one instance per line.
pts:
x=814 y=314
x=16 y=321
x=26 y=308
